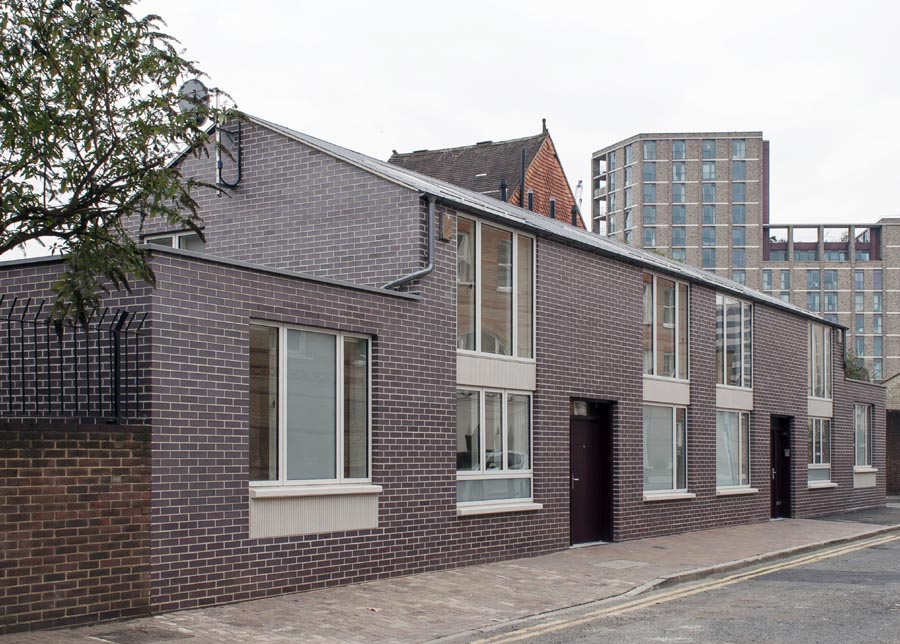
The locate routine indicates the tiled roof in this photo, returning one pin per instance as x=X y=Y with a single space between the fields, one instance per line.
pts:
x=471 y=201
x=480 y=167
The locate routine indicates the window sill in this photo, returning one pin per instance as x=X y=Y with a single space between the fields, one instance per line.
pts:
x=864 y=469
x=467 y=510
x=823 y=485
x=288 y=491
x=735 y=491
x=668 y=496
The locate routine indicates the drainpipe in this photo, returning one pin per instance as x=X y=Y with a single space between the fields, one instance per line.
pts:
x=429 y=260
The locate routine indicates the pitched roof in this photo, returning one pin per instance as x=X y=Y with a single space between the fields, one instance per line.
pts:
x=474 y=202
x=480 y=167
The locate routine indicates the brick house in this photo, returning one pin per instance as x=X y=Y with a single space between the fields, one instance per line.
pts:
x=282 y=420
x=497 y=169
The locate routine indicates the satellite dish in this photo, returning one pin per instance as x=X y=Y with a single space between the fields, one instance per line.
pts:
x=194 y=95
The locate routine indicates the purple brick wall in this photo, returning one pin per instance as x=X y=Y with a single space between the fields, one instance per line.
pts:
x=298 y=209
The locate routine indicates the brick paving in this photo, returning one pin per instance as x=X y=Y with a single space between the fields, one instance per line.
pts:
x=428 y=606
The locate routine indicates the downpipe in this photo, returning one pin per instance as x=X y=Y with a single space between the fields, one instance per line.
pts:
x=429 y=260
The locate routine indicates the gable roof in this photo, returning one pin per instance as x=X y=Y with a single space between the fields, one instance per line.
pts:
x=510 y=215
x=480 y=167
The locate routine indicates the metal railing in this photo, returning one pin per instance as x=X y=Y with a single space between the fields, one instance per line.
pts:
x=68 y=369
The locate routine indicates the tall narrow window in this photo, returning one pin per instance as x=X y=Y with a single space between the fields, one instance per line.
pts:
x=665 y=329
x=263 y=403
x=732 y=449
x=819 y=450
x=734 y=342
x=665 y=453
x=494 y=290
x=466 y=265
x=819 y=361
x=862 y=433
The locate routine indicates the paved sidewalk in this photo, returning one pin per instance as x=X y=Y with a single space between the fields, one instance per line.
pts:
x=429 y=606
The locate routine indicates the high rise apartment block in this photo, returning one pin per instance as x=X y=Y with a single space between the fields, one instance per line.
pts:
x=703 y=198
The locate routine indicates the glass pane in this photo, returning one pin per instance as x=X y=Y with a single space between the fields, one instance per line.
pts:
x=665 y=327
x=812 y=441
x=493 y=430
x=720 y=339
x=263 y=403
x=728 y=461
x=658 y=452
x=818 y=332
x=496 y=291
x=465 y=284
x=680 y=450
x=733 y=364
x=683 y=306
x=525 y=295
x=819 y=474
x=492 y=490
x=745 y=449
x=191 y=242
x=356 y=408
x=647 y=340
x=748 y=345
x=518 y=439
x=826 y=441
x=311 y=406
x=468 y=446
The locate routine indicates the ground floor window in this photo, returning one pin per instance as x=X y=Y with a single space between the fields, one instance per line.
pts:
x=309 y=406
x=665 y=452
x=819 y=450
x=862 y=435
x=493 y=445
x=732 y=449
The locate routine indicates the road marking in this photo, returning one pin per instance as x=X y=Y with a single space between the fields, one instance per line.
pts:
x=678 y=593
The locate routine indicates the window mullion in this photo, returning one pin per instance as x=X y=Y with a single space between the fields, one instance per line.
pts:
x=654 y=321
x=677 y=336
x=674 y=439
x=504 y=415
x=514 y=285
x=282 y=405
x=339 y=412
x=482 y=402
x=478 y=280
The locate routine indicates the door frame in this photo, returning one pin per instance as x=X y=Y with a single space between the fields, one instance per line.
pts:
x=780 y=457
x=600 y=413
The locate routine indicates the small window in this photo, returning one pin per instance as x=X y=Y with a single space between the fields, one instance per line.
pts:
x=679 y=217
x=629 y=198
x=649 y=193
x=739 y=214
x=877 y=346
x=738 y=192
x=812 y=302
x=650 y=149
x=785 y=280
x=678 y=150
x=649 y=171
x=876 y=279
x=678 y=193
x=629 y=176
x=877 y=370
x=709 y=192
x=708 y=149
x=859 y=302
x=709 y=236
x=860 y=346
x=679 y=255
x=709 y=214
x=627 y=219
x=767 y=281
x=678 y=171
x=876 y=302
x=708 y=171
x=831 y=302
x=812 y=280
x=628 y=154
x=819 y=450
x=738 y=258
x=738 y=149
x=859 y=280
x=739 y=236
x=709 y=258
x=739 y=171
x=860 y=323
x=649 y=237
x=679 y=236
x=740 y=277
x=862 y=432
x=649 y=215
x=830 y=280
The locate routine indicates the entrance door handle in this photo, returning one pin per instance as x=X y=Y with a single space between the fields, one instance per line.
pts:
x=573 y=481
x=773 y=473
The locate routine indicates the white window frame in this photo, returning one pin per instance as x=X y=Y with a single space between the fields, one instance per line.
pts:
x=725 y=489
x=173 y=237
x=819 y=463
x=514 y=274
x=811 y=362
x=726 y=300
x=676 y=326
x=340 y=479
x=868 y=412
x=484 y=474
x=673 y=492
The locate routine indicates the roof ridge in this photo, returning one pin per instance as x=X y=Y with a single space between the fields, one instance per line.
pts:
x=471 y=145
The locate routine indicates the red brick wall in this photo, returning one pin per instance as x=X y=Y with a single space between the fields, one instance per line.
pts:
x=546 y=177
x=74 y=524
x=893 y=452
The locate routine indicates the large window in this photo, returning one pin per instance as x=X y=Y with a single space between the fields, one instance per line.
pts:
x=819 y=450
x=819 y=360
x=862 y=423
x=665 y=339
x=493 y=445
x=734 y=342
x=494 y=290
x=665 y=452
x=309 y=406
x=732 y=449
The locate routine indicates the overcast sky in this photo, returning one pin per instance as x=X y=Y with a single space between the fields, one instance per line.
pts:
x=820 y=79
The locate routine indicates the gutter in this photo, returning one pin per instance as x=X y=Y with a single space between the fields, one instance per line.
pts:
x=429 y=260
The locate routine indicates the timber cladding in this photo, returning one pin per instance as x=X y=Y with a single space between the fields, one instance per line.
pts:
x=74 y=524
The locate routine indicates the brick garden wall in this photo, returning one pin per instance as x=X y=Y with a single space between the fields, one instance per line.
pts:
x=74 y=524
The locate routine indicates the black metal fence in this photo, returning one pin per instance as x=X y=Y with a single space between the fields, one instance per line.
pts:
x=87 y=370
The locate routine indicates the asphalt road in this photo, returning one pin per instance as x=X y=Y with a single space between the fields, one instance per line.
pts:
x=853 y=595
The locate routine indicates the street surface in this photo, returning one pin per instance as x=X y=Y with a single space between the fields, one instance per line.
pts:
x=844 y=594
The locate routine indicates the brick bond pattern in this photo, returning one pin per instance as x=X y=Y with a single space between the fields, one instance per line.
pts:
x=74 y=524
x=301 y=210
x=588 y=346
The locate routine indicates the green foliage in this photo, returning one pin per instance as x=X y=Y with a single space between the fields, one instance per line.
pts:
x=90 y=122
x=854 y=367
